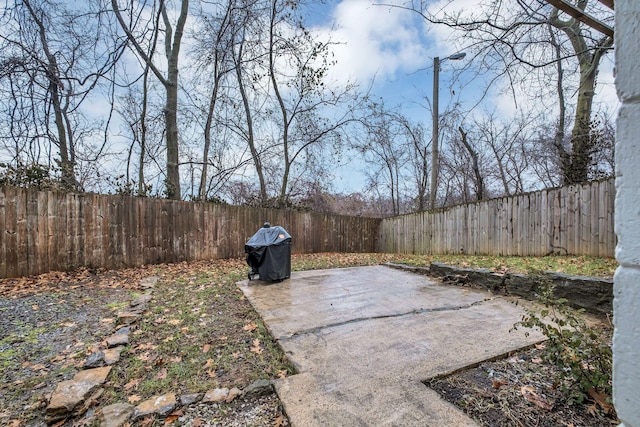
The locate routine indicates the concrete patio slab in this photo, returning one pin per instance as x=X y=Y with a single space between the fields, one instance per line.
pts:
x=365 y=339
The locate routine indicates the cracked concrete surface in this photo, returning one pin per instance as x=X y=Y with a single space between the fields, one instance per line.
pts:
x=365 y=339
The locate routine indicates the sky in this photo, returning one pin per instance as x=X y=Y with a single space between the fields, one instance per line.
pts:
x=394 y=49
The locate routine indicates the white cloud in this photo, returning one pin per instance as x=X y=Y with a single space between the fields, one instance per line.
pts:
x=373 y=41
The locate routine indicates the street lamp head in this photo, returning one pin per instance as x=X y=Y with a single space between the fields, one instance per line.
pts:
x=457 y=56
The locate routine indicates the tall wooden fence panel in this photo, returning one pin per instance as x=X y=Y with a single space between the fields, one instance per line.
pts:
x=573 y=220
x=44 y=231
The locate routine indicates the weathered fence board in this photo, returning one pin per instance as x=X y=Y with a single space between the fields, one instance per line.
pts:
x=575 y=220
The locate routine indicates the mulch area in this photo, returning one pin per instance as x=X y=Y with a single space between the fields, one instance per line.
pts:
x=519 y=390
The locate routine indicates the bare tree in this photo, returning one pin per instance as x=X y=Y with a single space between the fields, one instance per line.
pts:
x=247 y=132
x=169 y=79
x=304 y=63
x=519 y=39
x=54 y=55
x=383 y=148
x=213 y=37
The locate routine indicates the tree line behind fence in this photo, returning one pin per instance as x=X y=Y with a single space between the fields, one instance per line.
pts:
x=45 y=231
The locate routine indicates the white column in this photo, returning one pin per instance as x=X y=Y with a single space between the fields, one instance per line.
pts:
x=626 y=340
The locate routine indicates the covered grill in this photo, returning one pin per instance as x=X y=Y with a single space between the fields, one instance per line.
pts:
x=269 y=254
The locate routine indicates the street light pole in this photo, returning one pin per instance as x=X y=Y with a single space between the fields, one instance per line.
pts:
x=435 y=132
x=435 y=156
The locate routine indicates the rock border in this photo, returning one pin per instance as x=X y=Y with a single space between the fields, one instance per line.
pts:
x=75 y=397
x=593 y=294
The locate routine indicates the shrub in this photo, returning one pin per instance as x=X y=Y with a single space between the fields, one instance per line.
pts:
x=583 y=355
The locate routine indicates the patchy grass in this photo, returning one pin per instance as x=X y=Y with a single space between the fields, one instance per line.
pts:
x=198 y=333
x=574 y=265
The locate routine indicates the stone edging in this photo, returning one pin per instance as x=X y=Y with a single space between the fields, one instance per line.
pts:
x=594 y=294
x=75 y=397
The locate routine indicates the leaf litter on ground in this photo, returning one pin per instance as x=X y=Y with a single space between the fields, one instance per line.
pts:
x=194 y=305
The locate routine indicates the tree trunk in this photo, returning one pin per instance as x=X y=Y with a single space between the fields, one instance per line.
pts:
x=479 y=181
x=250 y=137
x=55 y=86
x=575 y=163
x=283 y=108
x=170 y=83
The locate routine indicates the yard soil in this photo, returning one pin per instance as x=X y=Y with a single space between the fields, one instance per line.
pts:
x=521 y=390
x=50 y=323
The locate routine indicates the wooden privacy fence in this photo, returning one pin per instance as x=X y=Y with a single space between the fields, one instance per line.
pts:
x=43 y=231
x=573 y=220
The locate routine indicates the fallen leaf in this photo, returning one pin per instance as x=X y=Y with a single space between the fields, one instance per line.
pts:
x=59 y=423
x=134 y=398
x=601 y=399
x=279 y=422
x=498 y=383
x=541 y=346
x=529 y=393
x=176 y=359
x=212 y=374
x=173 y=417
x=206 y=348
x=536 y=360
x=147 y=421
x=256 y=347
x=282 y=373
x=250 y=327
x=197 y=422
x=209 y=363
x=15 y=423
x=162 y=374
x=235 y=354
x=174 y=322
x=146 y=346
x=35 y=307
x=132 y=384
x=592 y=410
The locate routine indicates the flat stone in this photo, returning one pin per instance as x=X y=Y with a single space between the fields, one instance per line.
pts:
x=148 y=282
x=117 y=339
x=159 y=405
x=128 y=317
x=142 y=300
x=70 y=395
x=116 y=415
x=216 y=395
x=95 y=360
x=259 y=388
x=189 y=399
x=123 y=330
x=112 y=355
x=233 y=393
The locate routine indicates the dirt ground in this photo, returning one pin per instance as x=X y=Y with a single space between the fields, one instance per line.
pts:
x=518 y=390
